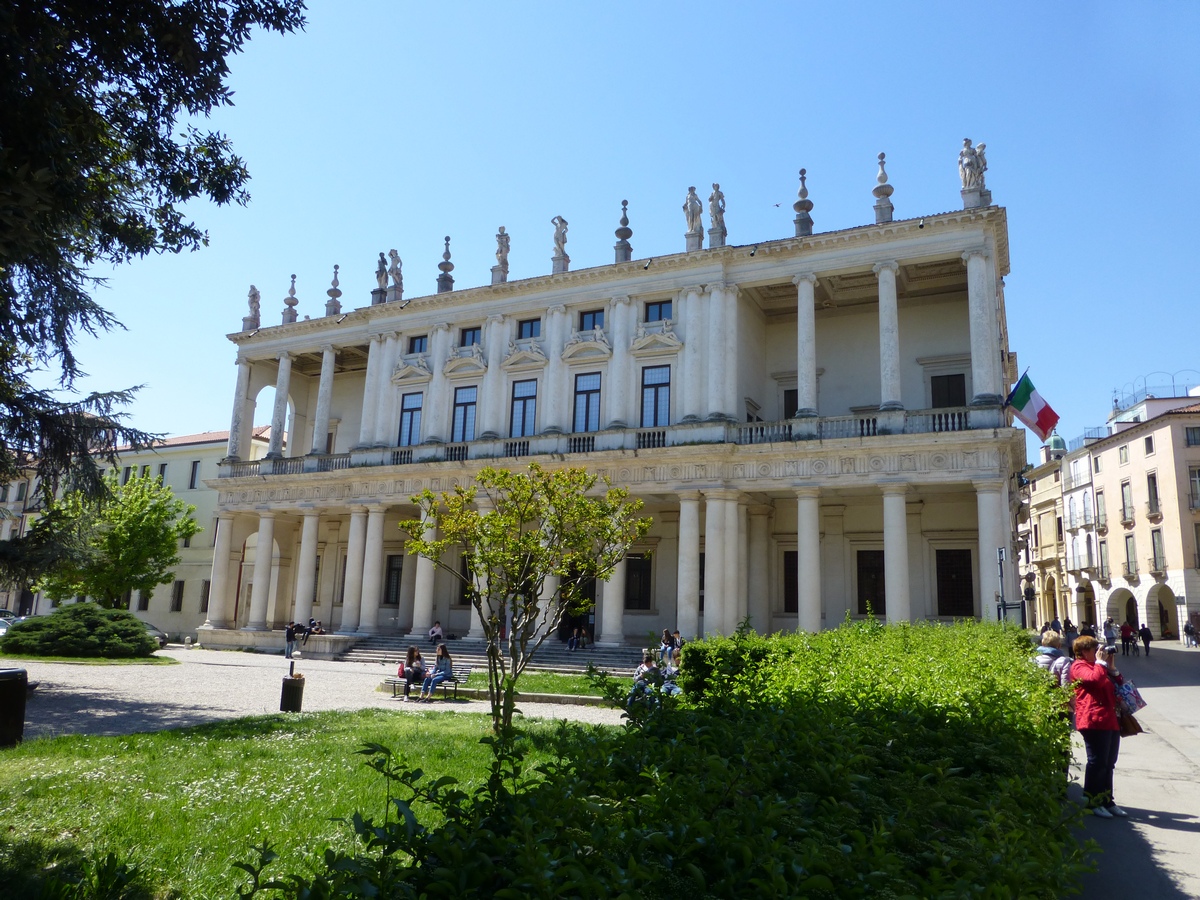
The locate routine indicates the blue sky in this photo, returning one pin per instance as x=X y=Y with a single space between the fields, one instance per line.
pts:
x=392 y=124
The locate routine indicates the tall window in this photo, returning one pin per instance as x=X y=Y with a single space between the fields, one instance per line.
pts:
x=791 y=402
x=1149 y=444
x=791 y=581
x=177 y=597
x=1126 y=502
x=391 y=586
x=1102 y=549
x=410 y=419
x=1156 y=547
x=948 y=390
x=529 y=328
x=1101 y=511
x=1152 y=491
x=464 y=414
x=1194 y=487
x=870 y=583
x=657 y=311
x=1096 y=465
x=143 y=600
x=593 y=318
x=194 y=479
x=524 y=408
x=1130 y=554
x=1192 y=436
x=656 y=396
x=469 y=337
x=418 y=343
x=205 y=587
x=162 y=472
x=4 y=493
x=125 y=476
x=587 y=402
x=1123 y=454
x=955 y=584
x=637 y=581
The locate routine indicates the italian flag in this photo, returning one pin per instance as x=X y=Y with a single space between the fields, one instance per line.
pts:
x=1031 y=409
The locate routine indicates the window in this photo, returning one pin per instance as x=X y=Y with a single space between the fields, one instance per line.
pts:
x=948 y=390
x=791 y=581
x=143 y=600
x=177 y=597
x=593 y=318
x=1123 y=454
x=1149 y=445
x=1101 y=511
x=146 y=471
x=194 y=480
x=637 y=581
x=1194 y=487
x=524 y=408
x=464 y=414
x=21 y=490
x=1156 y=547
x=187 y=542
x=791 y=402
x=870 y=583
x=1152 y=493
x=469 y=337
x=125 y=476
x=955 y=584
x=410 y=419
x=657 y=311
x=4 y=493
x=162 y=472
x=391 y=584
x=418 y=343
x=587 y=402
x=1096 y=465
x=529 y=328
x=656 y=396
x=1103 y=549
x=1130 y=555
x=1126 y=502
x=1192 y=436
x=205 y=587
x=1060 y=529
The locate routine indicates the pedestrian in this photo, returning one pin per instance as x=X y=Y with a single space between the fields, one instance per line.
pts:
x=1146 y=636
x=1126 y=638
x=1056 y=625
x=289 y=640
x=1094 y=672
x=1189 y=634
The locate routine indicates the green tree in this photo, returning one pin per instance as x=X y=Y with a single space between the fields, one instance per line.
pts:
x=127 y=541
x=98 y=155
x=532 y=540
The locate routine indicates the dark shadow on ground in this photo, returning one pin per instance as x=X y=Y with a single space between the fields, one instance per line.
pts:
x=1168 y=665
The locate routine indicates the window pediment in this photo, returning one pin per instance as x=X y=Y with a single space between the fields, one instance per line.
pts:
x=656 y=339
x=524 y=354
x=465 y=361
x=411 y=369
x=587 y=346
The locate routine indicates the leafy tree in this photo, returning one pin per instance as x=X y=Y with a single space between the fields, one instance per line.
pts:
x=538 y=540
x=129 y=541
x=97 y=157
x=80 y=629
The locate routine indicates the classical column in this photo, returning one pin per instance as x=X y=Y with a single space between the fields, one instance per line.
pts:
x=714 y=561
x=423 y=591
x=687 y=616
x=732 y=403
x=714 y=360
x=758 y=567
x=370 y=403
x=385 y=393
x=808 y=558
x=283 y=382
x=985 y=331
x=806 y=345
x=436 y=415
x=237 y=421
x=492 y=388
x=620 y=370
x=372 y=577
x=327 y=583
x=992 y=530
x=556 y=387
x=218 y=587
x=353 y=582
x=476 y=632
x=895 y=553
x=324 y=393
x=263 y=556
x=889 y=337
x=408 y=582
x=612 y=610
x=732 y=547
x=306 y=577
x=694 y=400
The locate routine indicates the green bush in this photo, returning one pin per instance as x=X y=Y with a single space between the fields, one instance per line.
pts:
x=80 y=629
x=865 y=762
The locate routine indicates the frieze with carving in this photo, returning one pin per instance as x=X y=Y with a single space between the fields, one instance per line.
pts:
x=412 y=368
x=465 y=361
x=524 y=354
x=649 y=341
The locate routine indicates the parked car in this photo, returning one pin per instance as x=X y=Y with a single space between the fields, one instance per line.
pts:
x=160 y=636
x=7 y=614
x=4 y=626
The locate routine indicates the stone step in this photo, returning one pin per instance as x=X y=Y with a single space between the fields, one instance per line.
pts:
x=388 y=650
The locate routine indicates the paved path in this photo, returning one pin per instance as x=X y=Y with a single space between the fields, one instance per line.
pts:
x=1154 y=853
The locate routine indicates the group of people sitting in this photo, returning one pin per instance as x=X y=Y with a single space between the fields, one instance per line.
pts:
x=413 y=670
x=295 y=632
x=650 y=676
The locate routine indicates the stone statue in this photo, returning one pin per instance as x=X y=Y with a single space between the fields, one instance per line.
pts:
x=972 y=163
x=394 y=271
x=502 y=244
x=254 y=299
x=692 y=210
x=560 y=235
x=381 y=273
x=716 y=209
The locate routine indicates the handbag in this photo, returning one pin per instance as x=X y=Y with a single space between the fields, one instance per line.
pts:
x=1127 y=724
x=1132 y=697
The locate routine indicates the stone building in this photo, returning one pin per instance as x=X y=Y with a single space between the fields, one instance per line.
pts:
x=813 y=421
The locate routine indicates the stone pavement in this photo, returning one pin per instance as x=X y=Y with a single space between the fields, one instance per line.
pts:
x=1155 y=853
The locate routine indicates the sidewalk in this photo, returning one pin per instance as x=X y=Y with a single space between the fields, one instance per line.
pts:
x=1155 y=853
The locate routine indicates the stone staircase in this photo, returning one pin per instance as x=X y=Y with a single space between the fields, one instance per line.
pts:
x=552 y=656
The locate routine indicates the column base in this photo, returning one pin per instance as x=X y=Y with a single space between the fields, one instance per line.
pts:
x=254 y=628
x=986 y=400
x=889 y=405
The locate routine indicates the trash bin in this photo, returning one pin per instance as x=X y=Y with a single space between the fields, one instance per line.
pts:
x=14 y=684
x=292 y=697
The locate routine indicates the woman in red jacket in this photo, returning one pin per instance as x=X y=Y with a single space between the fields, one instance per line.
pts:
x=1093 y=672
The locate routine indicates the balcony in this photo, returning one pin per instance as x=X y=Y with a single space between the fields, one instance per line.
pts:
x=1157 y=564
x=1194 y=502
x=1080 y=520
x=1129 y=569
x=1102 y=574
x=1069 y=483
x=1153 y=509
x=1127 y=515
x=789 y=431
x=1102 y=522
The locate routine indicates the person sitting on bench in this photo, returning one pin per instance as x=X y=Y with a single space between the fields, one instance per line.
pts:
x=442 y=671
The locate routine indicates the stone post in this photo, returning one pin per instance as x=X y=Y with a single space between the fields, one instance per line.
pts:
x=895 y=553
x=324 y=393
x=279 y=415
x=237 y=421
x=306 y=576
x=263 y=557
x=687 y=615
x=889 y=336
x=372 y=578
x=808 y=558
x=352 y=583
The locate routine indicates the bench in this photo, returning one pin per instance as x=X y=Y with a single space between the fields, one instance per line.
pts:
x=458 y=675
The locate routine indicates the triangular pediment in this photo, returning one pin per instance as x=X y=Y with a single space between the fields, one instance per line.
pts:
x=408 y=371
x=593 y=349
x=658 y=343
x=528 y=356
x=466 y=361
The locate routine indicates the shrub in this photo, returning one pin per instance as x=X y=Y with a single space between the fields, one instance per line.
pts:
x=80 y=629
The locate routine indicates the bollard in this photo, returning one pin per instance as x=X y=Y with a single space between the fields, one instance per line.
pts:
x=14 y=685
x=291 y=698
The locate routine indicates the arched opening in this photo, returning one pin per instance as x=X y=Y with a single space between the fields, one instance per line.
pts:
x=1122 y=607
x=1160 y=612
x=1050 y=597
x=1085 y=604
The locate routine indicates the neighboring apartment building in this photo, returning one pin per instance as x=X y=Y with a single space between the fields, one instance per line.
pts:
x=1042 y=536
x=814 y=424
x=20 y=506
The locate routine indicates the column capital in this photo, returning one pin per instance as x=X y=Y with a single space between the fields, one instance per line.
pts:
x=226 y=515
x=976 y=251
x=621 y=300
x=328 y=348
x=807 y=491
x=284 y=354
x=496 y=318
x=893 y=488
x=721 y=494
x=889 y=265
x=557 y=309
x=265 y=513
x=723 y=286
x=357 y=509
x=761 y=509
x=987 y=485
x=440 y=327
x=690 y=495
x=804 y=278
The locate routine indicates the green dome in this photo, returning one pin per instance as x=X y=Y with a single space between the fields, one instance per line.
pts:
x=1054 y=442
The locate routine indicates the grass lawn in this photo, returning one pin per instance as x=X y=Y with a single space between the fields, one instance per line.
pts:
x=186 y=804
x=541 y=683
x=6 y=659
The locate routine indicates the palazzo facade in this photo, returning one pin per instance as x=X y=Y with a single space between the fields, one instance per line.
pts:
x=814 y=423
